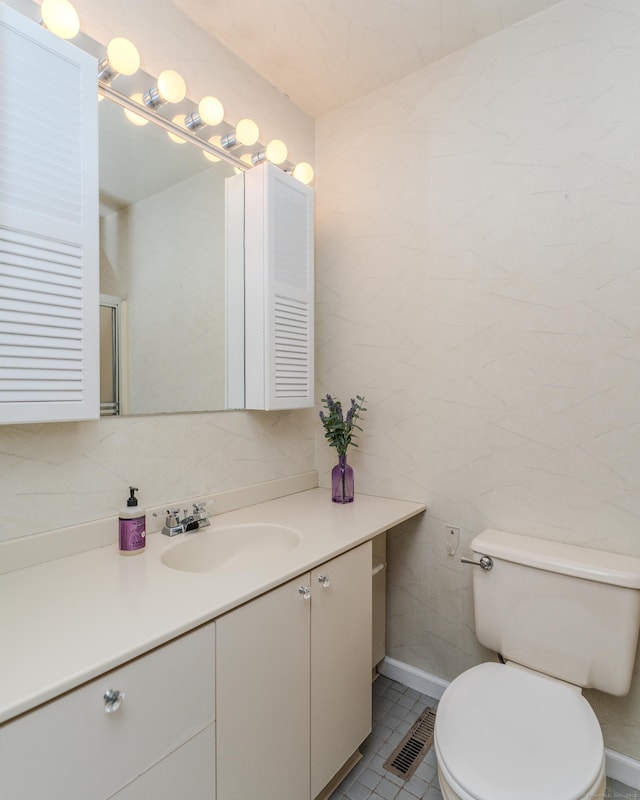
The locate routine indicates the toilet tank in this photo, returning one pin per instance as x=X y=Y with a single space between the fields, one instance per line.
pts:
x=566 y=611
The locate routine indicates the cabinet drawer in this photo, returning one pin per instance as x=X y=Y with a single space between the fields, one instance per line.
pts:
x=187 y=772
x=71 y=748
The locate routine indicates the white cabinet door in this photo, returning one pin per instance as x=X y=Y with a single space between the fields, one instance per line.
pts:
x=262 y=697
x=70 y=749
x=340 y=662
x=293 y=683
x=49 y=361
x=271 y=214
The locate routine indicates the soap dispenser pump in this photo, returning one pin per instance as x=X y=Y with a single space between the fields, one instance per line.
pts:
x=131 y=526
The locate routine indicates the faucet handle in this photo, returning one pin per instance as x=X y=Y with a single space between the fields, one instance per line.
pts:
x=197 y=507
x=172 y=516
x=200 y=515
x=172 y=524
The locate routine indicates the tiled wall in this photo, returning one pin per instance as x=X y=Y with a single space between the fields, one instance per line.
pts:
x=63 y=474
x=479 y=281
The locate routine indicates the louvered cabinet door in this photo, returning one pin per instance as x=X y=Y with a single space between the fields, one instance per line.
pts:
x=49 y=361
x=279 y=293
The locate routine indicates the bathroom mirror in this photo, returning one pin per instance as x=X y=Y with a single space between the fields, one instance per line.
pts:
x=162 y=269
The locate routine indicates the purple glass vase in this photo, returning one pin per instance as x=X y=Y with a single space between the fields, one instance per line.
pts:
x=342 y=482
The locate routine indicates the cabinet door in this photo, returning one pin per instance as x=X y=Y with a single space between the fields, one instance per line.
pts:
x=48 y=226
x=262 y=697
x=340 y=662
x=278 y=290
x=70 y=749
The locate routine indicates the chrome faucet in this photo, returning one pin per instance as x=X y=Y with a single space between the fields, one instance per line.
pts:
x=199 y=518
x=172 y=524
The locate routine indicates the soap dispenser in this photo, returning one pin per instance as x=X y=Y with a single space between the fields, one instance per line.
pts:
x=131 y=527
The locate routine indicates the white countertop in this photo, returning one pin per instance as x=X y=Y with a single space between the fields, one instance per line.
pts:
x=66 y=621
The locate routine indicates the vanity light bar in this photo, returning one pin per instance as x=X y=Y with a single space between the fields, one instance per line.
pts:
x=122 y=58
x=142 y=112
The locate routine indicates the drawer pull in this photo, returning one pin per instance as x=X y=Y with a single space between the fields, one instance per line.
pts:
x=324 y=581
x=305 y=591
x=112 y=700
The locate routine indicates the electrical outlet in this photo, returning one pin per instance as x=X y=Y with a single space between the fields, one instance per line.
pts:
x=452 y=536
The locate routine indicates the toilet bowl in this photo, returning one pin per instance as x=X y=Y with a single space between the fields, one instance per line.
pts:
x=563 y=618
x=505 y=733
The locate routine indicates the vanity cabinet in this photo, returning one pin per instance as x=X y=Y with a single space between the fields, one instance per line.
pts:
x=293 y=682
x=158 y=738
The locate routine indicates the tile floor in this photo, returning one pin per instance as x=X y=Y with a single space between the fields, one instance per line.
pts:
x=395 y=709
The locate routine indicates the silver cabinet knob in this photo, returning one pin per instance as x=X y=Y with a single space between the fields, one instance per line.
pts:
x=112 y=700
x=324 y=581
x=305 y=591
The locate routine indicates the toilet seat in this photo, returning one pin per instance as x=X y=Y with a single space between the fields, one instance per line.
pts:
x=503 y=732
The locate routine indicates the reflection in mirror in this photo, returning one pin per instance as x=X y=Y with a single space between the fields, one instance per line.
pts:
x=162 y=265
x=111 y=331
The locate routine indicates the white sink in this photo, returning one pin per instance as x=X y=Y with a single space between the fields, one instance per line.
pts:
x=232 y=547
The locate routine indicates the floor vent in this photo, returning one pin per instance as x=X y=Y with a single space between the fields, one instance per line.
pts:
x=404 y=760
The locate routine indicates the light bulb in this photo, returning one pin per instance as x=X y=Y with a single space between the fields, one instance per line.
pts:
x=214 y=140
x=171 y=86
x=211 y=110
x=60 y=17
x=303 y=172
x=276 y=151
x=247 y=132
x=179 y=120
x=247 y=159
x=134 y=118
x=123 y=56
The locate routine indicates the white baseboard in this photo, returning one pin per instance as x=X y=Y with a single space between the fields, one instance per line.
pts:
x=414 y=678
x=619 y=767
x=623 y=768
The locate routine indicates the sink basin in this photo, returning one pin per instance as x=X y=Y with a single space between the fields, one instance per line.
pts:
x=231 y=547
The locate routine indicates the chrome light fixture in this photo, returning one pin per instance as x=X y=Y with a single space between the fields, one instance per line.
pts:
x=170 y=88
x=276 y=152
x=122 y=58
x=246 y=132
x=210 y=112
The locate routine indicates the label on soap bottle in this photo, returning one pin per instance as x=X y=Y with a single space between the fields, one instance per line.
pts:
x=132 y=535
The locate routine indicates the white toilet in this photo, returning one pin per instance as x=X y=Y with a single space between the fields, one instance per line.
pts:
x=563 y=618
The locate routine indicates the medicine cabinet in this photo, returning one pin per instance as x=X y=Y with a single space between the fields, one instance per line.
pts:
x=50 y=257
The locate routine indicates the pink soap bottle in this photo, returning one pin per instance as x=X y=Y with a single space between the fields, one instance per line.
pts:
x=131 y=526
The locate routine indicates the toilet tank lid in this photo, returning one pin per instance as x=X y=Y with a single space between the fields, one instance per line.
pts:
x=566 y=559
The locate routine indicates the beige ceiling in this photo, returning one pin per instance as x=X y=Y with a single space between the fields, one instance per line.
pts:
x=324 y=53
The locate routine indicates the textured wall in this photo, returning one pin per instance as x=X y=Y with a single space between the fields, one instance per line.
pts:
x=479 y=281
x=63 y=474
